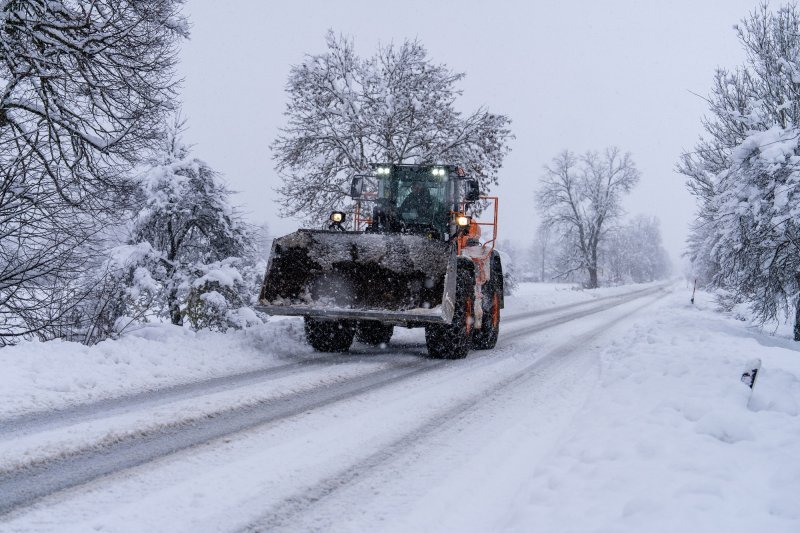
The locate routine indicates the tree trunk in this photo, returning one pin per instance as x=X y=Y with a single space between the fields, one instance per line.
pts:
x=797 y=312
x=174 y=308
x=592 y=278
x=542 y=276
x=797 y=321
x=593 y=265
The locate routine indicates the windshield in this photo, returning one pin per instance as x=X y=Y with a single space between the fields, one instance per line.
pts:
x=418 y=196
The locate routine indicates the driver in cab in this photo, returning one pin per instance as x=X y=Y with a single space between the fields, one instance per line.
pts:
x=419 y=204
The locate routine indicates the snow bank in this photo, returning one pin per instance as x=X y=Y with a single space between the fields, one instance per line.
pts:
x=672 y=440
x=55 y=374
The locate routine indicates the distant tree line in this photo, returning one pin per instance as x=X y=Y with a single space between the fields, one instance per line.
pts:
x=631 y=252
x=745 y=172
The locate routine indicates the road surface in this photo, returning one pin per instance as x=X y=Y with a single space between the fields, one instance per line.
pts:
x=376 y=439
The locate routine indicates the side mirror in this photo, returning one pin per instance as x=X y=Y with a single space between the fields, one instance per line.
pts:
x=357 y=186
x=473 y=193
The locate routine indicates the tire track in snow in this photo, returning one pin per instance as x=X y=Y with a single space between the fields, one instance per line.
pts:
x=557 y=321
x=289 y=509
x=22 y=487
x=550 y=310
x=42 y=420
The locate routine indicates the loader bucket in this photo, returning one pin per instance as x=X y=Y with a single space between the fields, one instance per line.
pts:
x=353 y=275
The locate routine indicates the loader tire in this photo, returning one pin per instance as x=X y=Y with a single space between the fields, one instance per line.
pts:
x=453 y=341
x=486 y=337
x=374 y=333
x=329 y=335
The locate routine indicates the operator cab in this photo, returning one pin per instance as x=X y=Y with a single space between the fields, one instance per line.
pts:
x=413 y=199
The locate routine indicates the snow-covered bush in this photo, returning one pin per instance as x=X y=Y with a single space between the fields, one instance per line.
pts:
x=114 y=294
x=219 y=298
x=510 y=272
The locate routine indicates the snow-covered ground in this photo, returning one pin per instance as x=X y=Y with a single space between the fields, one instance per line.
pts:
x=56 y=374
x=52 y=375
x=672 y=440
x=598 y=411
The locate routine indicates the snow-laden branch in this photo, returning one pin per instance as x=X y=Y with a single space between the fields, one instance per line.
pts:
x=345 y=112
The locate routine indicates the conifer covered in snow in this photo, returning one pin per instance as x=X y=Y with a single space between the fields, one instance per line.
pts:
x=745 y=172
x=199 y=240
x=397 y=106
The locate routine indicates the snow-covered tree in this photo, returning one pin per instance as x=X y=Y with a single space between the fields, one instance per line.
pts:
x=632 y=252
x=199 y=238
x=746 y=171
x=542 y=253
x=262 y=237
x=397 y=106
x=84 y=86
x=580 y=198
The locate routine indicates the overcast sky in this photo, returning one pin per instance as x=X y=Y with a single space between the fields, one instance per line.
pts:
x=579 y=75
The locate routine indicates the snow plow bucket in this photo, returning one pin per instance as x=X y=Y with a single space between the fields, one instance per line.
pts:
x=360 y=276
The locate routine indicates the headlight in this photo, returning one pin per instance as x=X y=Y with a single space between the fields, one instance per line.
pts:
x=383 y=171
x=463 y=220
x=438 y=172
x=337 y=217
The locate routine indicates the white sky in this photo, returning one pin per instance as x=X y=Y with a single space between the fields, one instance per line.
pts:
x=578 y=75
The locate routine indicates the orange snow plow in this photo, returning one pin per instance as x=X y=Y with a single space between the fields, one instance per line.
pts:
x=413 y=257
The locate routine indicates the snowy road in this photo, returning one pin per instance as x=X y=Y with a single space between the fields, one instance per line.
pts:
x=348 y=442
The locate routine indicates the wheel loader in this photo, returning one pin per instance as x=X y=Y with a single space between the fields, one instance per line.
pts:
x=410 y=253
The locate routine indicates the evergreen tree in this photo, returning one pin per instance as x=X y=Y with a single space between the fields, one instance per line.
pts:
x=187 y=219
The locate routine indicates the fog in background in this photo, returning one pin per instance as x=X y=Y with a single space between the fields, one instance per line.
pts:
x=578 y=75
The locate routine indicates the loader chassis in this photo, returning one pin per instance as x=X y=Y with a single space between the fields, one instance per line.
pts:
x=413 y=258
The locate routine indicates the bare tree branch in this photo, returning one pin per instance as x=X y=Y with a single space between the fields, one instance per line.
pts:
x=581 y=196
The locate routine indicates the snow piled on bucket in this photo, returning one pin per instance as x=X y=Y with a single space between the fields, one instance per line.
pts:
x=399 y=253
